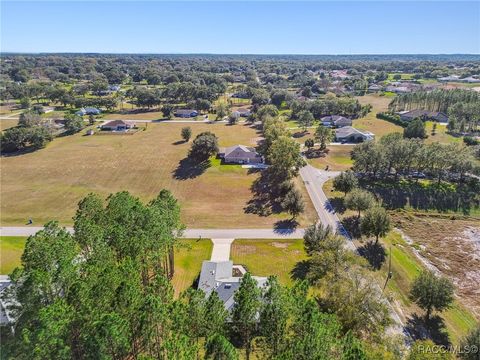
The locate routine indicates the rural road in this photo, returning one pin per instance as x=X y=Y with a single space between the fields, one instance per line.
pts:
x=188 y=234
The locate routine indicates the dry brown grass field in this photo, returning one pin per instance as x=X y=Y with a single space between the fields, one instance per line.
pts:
x=47 y=184
x=370 y=122
x=337 y=158
x=7 y=123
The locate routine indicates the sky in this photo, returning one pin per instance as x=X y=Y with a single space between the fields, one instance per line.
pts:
x=252 y=27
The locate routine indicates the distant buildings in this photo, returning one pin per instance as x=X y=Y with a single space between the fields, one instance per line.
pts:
x=456 y=78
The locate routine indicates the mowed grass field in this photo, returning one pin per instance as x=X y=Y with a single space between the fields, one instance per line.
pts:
x=188 y=258
x=11 y=250
x=47 y=184
x=264 y=257
x=188 y=262
x=337 y=158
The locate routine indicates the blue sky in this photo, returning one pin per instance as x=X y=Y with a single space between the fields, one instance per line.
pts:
x=229 y=27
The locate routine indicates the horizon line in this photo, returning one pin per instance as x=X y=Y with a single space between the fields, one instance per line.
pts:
x=236 y=54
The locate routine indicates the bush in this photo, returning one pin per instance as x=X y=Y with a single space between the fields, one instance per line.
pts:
x=470 y=141
x=393 y=118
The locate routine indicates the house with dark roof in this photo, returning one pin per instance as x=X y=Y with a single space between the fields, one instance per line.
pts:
x=424 y=115
x=224 y=278
x=336 y=121
x=351 y=135
x=240 y=154
x=118 y=125
x=186 y=113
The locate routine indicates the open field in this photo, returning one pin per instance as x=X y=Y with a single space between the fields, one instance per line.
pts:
x=370 y=122
x=11 y=249
x=428 y=240
x=265 y=257
x=441 y=135
x=47 y=184
x=405 y=268
x=7 y=123
x=188 y=262
x=337 y=158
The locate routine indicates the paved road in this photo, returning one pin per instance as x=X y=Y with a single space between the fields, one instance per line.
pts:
x=189 y=233
x=314 y=180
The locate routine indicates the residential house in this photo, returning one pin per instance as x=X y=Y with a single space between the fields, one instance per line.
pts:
x=186 y=113
x=240 y=154
x=240 y=95
x=336 y=121
x=350 y=134
x=224 y=278
x=118 y=125
x=88 y=111
x=374 y=88
x=241 y=112
x=424 y=115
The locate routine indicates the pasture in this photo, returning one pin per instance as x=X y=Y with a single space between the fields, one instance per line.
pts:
x=47 y=184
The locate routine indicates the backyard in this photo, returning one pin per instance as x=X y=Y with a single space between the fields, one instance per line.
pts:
x=264 y=257
x=47 y=184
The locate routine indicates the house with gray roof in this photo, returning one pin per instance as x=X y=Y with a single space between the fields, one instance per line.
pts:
x=424 y=115
x=351 y=135
x=240 y=154
x=186 y=113
x=336 y=121
x=224 y=278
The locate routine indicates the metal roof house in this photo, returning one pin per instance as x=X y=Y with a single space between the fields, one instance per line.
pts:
x=224 y=278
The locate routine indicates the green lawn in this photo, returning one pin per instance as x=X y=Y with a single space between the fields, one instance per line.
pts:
x=441 y=135
x=264 y=257
x=188 y=262
x=188 y=258
x=11 y=249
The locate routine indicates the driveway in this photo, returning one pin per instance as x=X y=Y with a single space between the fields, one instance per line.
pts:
x=221 y=249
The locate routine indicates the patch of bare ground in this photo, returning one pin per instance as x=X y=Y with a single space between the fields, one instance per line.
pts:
x=452 y=247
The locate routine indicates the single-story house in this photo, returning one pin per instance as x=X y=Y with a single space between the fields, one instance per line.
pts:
x=350 y=134
x=375 y=88
x=240 y=154
x=186 y=113
x=224 y=278
x=113 y=88
x=88 y=111
x=424 y=115
x=240 y=95
x=336 y=121
x=449 y=78
x=243 y=112
x=118 y=125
